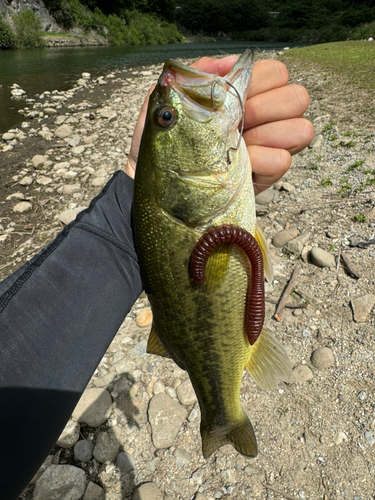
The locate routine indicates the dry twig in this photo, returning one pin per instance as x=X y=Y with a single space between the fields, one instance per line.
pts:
x=285 y=295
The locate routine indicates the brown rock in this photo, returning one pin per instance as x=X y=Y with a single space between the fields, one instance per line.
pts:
x=144 y=317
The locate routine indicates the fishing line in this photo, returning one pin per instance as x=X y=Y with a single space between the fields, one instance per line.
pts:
x=242 y=115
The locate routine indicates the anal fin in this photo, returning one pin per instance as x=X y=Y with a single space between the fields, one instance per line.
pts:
x=154 y=346
x=268 y=363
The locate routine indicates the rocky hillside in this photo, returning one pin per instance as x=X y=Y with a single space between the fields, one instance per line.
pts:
x=11 y=7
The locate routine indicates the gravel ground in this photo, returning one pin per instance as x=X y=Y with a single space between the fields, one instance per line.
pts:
x=135 y=434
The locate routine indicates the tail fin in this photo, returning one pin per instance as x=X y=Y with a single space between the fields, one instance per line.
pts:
x=268 y=363
x=241 y=436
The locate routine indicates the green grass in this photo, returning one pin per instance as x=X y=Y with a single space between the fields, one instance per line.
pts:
x=352 y=60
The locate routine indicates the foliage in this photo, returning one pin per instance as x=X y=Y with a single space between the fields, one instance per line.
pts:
x=27 y=30
x=7 y=37
x=315 y=21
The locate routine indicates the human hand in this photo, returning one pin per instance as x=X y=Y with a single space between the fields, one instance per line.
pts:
x=273 y=128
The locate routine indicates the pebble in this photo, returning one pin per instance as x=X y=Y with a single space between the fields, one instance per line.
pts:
x=166 y=417
x=144 y=317
x=140 y=349
x=22 y=207
x=60 y=482
x=317 y=142
x=63 y=131
x=15 y=196
x=94 y=407
x=94 y=492
x=322 y=358
x=69 y=435
x=148 y=491
x=370 y=438
x=301 y=373
x=107 y=447
x=282 y=237
x=286 y=186
x=68 y=216
x=98 y=181
x=38 y=161
x=267 y=196
x=8 y=136
x=83 y=450
x=69 y=189
x=185 y=393
x=321 y=258
x=362 y=307
x=159 y=387
x=26 y=181
x=43 y=181
x=125 y=462
x=200 y=496
x=182 y=457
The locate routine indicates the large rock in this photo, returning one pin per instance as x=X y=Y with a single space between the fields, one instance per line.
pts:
x=166 y=417
x=60 y=482
x=94 y=407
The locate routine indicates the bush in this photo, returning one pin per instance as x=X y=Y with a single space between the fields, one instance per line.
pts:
x=7 y=38
x=28 y=30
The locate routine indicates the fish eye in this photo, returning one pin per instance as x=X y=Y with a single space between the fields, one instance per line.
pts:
x=165 y=116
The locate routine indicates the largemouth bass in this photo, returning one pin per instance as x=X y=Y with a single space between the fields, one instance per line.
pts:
x=194 y=174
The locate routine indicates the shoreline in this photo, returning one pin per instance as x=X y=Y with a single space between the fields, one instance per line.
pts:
x=308 y=428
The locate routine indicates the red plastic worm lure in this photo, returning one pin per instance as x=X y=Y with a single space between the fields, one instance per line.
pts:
x=255 y=302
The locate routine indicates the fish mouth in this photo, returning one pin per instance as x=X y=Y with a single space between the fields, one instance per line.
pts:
x=206 y=89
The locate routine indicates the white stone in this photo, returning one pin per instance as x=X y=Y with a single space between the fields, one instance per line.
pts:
x=69 y=435
x=63 y=131
x=22 y=207
x=69 y=215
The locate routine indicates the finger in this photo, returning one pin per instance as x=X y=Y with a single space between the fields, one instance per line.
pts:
x=212 y=65
x=267 y=74
x=293 y=135
x=137 y=136
x=268 y=165
x=282 y=103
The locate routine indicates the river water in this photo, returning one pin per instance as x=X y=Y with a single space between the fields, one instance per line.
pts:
x=58 y=68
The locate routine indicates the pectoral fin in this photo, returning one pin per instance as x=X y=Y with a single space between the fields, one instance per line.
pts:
x=154 y=346
x=268 y=363
x=261 y=240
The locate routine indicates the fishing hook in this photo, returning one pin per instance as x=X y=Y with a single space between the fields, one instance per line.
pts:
x=242 y=115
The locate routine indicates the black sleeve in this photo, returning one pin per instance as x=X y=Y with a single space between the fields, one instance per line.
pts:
x=58 y=314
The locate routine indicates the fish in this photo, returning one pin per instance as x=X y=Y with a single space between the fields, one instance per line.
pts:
x=193 y=185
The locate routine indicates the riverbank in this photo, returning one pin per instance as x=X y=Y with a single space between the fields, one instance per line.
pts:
x=74 y=41
x=316 y=434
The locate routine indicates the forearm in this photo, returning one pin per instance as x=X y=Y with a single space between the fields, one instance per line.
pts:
x=58 y=314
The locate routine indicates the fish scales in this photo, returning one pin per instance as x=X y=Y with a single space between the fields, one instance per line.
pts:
x=184 y=186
